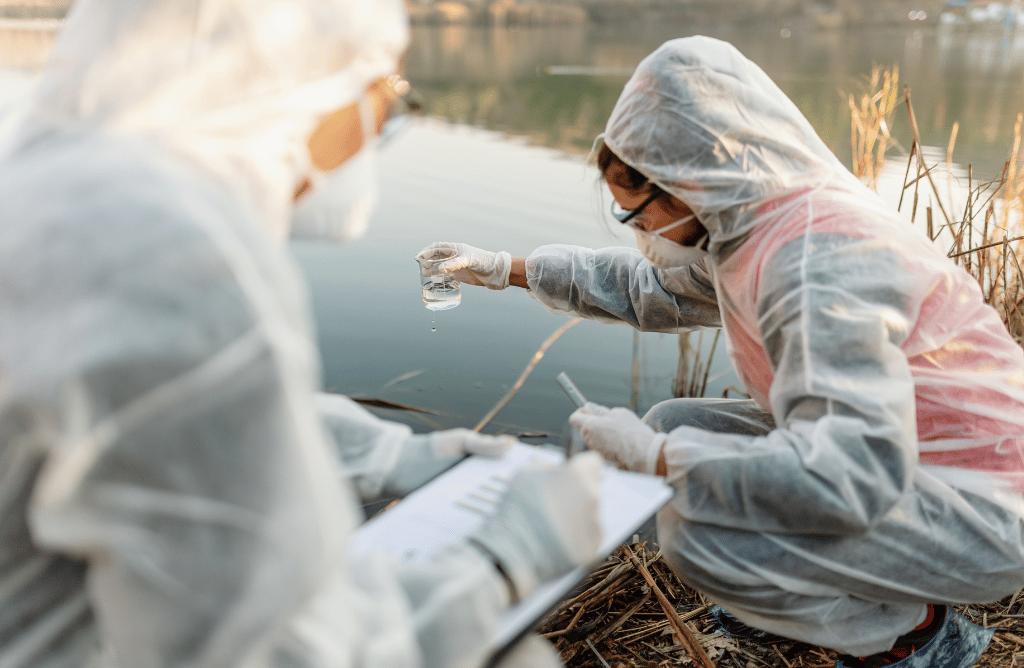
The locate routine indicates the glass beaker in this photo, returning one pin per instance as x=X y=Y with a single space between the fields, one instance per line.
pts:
x=440 y=292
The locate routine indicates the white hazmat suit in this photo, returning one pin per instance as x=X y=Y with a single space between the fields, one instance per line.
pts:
x=886 y=468
x=169 y=495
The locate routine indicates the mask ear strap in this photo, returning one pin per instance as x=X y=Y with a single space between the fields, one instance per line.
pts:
x=595 y=147
x=672 y=226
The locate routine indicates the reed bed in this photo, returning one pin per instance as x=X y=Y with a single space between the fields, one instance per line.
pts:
x=634 y=612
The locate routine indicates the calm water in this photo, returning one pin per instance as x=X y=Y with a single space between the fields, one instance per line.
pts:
x=499 y=163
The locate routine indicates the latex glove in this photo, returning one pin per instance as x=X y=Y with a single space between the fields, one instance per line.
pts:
x=619 y=435
x=421 y=458
x=469 y=264
x=546 y=524
x=532 y=652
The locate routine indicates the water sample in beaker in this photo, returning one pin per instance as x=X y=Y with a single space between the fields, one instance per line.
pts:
x=440 y=292
x=441 y=295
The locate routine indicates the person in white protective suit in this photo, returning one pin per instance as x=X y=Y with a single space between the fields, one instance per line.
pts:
x=170 y=495
x=876 y=474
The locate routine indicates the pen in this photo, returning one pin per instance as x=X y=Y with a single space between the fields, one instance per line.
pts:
x=570 y=389
x=575 y=440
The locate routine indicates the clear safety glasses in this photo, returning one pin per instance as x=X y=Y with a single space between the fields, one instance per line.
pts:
x=403 y=100
x=629 y=217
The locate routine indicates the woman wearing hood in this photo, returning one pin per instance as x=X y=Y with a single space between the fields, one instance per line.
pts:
x=876 y=475
x=170 y=495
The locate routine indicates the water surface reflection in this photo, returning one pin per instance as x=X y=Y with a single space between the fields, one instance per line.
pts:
x=501 y=78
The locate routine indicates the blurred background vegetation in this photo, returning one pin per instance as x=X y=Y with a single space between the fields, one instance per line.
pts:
x=831 y=13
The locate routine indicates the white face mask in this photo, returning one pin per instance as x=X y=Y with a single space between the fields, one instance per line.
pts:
x=340 y=201
x=664 y=253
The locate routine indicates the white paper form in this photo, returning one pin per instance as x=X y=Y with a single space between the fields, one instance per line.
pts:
x=454 y=504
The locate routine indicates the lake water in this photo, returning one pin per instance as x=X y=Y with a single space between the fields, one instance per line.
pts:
x=498 y=162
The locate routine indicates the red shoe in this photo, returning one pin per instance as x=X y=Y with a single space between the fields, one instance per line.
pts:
x=943 y=640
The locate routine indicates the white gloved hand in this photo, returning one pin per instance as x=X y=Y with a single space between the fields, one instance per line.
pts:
x=546 y=524
x=469 y=264
x=619 y=435
x=422 y=457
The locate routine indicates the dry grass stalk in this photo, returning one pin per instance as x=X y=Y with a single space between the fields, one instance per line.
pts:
x=526 y=372
x=870 y=121
x=926 y=171
x=679 y=626
x=634 y=395
x=694 y=365
x=598 y=654
x=391 y=405
x=949 y=162
x=686 y=358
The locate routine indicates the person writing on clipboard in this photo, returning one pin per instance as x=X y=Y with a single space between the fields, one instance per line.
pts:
x=170 y=495
x=876 y=474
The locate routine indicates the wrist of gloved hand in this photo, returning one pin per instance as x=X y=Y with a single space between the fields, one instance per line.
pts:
x=422 y=457
x=467 y=264
x=619 y=435
x=498 y=277
x=546 y=524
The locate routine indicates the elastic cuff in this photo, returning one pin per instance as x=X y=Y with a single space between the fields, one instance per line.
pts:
x=506 y=264
x=651 y=465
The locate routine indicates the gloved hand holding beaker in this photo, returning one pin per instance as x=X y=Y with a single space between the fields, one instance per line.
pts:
x=546 y=524
x=469 y=264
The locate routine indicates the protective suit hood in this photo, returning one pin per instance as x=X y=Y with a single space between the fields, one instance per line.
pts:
x=709 y=126
x=237 y=87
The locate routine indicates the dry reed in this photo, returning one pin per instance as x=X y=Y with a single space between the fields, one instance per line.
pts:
x=694 y=365
x=526 y=372
x=870 y=123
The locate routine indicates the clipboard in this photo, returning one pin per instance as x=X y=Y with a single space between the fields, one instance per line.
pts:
x=439 y=514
